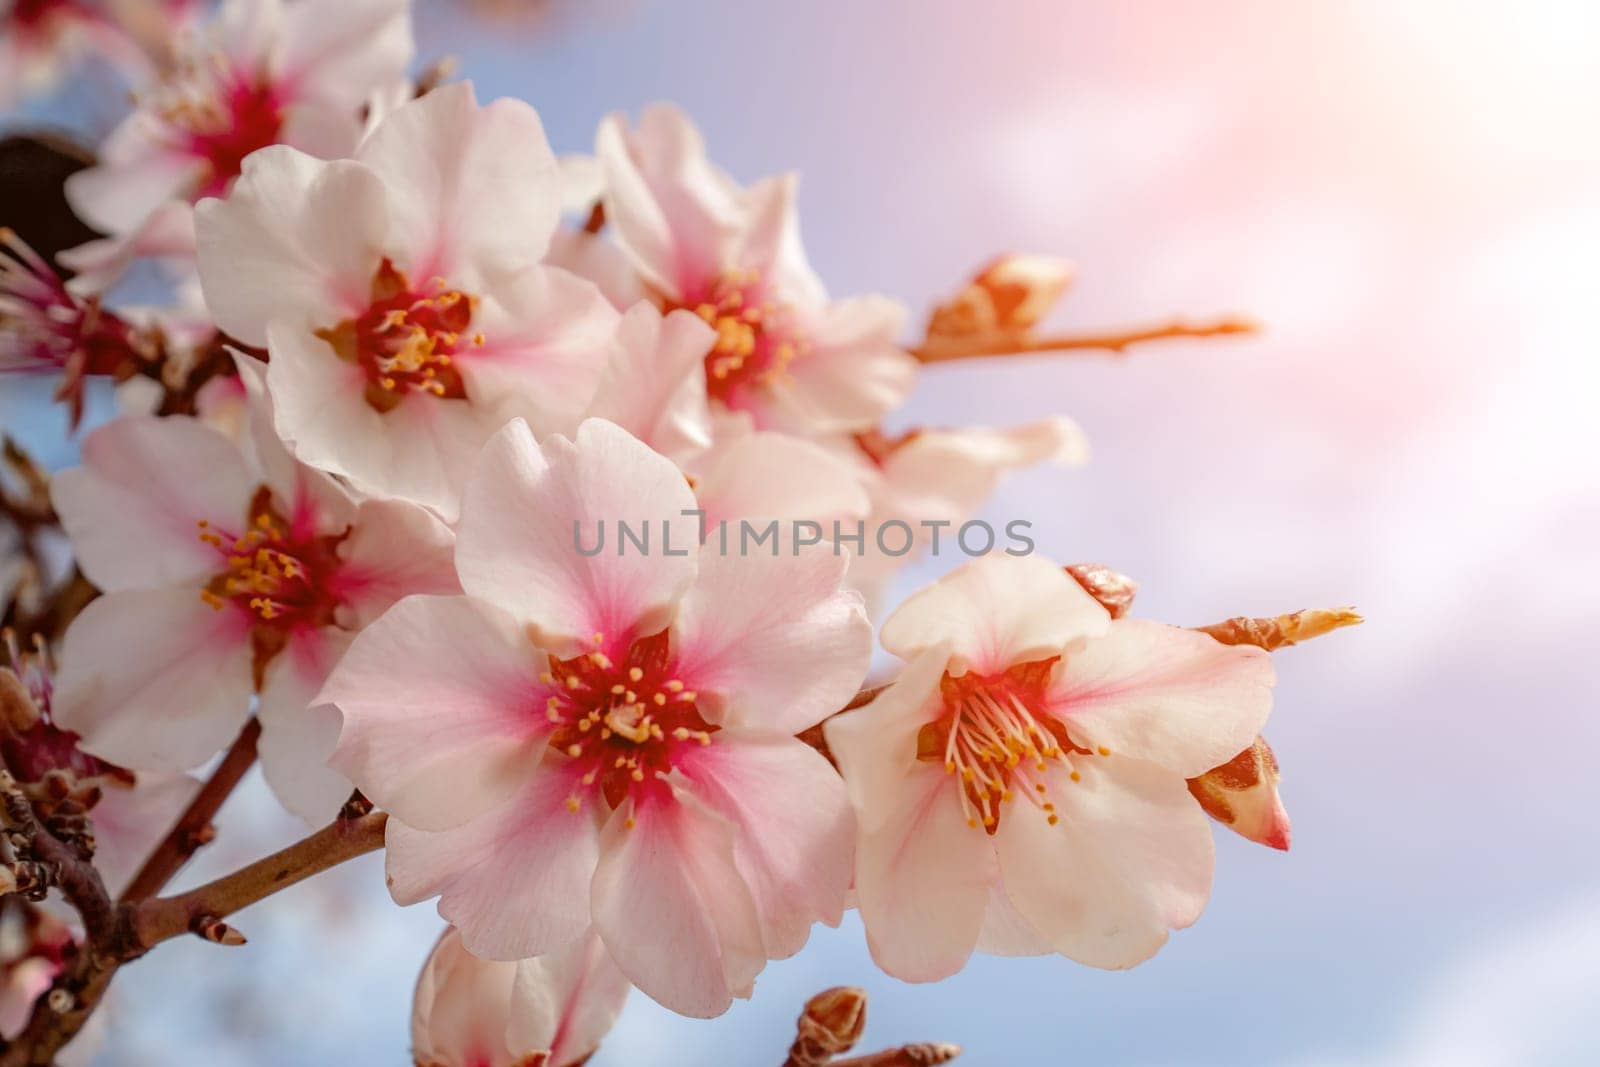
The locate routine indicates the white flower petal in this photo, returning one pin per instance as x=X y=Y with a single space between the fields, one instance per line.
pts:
x=1130 y=858
x=440 y=716
x=524 y=509
x=155 y=679
x=673 y=909
x=1172 y=696
x=997 y=611
x=133 y=509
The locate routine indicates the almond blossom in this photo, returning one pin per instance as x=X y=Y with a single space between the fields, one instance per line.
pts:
x=40 y=38
x=786 y=356
x=608 y=739
x=261 y=72
x=653 y=386
x=400 y=297
x=1020 y=789
x=228 y=571
x=551 y=1011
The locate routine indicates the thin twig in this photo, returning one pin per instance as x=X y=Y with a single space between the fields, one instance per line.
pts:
x=135 y=927
x=922 y=1054
x=193 y=827
x=151 y=922
x=1118 y=342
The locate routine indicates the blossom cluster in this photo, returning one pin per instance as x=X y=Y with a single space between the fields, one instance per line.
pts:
x=413 y=354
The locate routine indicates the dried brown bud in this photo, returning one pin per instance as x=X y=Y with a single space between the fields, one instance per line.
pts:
x=1242 y=795
x=1115 y=591
x=1282 y=630
x=830 y=1024
x=1009 y=296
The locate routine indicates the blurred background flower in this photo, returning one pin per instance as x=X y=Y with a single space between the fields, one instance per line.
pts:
x=1408 y=195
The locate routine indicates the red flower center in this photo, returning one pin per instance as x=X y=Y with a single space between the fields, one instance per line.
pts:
x=283 y=575
x=221 y=117
x=31 y=14
x=621 y=724
x=408 y=339
x=997 y=734
x=755 y=340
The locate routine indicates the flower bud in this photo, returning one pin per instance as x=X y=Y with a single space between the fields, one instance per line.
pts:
x=1010 y=295
x=551 y=1011
x=1242 y=795
x=830 y=1025
x=1280 y=631
x=1114 y=591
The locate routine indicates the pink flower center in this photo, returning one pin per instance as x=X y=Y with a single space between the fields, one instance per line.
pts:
x=995 y=736
x=621 y=724
x=31 y=14
x=408 y=339
x=282 y=575
x=221 y=115
x=755 y=339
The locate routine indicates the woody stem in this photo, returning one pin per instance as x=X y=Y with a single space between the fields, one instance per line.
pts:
x=1118 y=342
x=193 y=828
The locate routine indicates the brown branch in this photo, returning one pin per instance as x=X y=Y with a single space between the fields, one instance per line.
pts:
x=193 y=828
x=150 y=922
x=940 y=351
x=922 y=1054
x=133 y=928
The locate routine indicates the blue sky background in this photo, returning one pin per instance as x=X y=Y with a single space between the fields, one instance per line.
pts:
x=1408 y=199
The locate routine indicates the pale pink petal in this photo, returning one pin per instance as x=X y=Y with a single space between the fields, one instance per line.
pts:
x=948 y=474
x=764 y=476
x=675 y=214
x=515 y=880
x=654 y=384
x=1005 y=932
x=772 y=641
x=462 y=1008
x=996 y=611
x=852 y=372
x=525 y=510
x=138 y=171
x=312 y=500
x=794 y=830
x=336 y=53
x=394 y=549
x=923 y=878
x=130 y=820
x=297 y=240
x=768 y=244
x=923 y=875
x=673 y=908
x=298 y=736
x=133 y=509
x=1129 y=859
x=1172 y=696
x=599 y=261
x=876 y=746
x=470 y=188
x=546 y=338
x=420 y=451
x=565 y=1003
x=167 y=234
x=582 y=183
x=442 y=720
x=154 y=679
